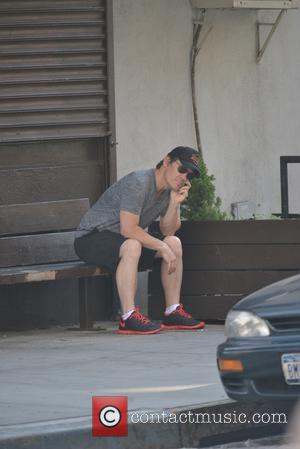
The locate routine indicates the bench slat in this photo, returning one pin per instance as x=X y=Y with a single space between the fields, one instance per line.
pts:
x=37 y=273
x=37 y=249
x=47 y=216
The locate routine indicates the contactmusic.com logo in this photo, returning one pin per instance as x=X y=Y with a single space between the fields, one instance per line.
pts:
x=110 y=416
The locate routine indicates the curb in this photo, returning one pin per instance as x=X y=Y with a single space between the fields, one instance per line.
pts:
x=75 y=433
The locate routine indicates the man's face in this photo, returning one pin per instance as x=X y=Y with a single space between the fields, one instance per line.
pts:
x=176 y=175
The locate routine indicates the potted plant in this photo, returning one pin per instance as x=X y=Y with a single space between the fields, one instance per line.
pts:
x=202 y=203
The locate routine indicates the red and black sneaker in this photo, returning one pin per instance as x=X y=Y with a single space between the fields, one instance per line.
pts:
x=137 y=323
x=180 y=319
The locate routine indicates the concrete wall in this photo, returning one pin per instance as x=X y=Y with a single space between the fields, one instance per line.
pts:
x=153 y=112
x=249 y=112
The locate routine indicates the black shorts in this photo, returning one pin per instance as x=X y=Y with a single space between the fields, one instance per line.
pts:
x=103 y=248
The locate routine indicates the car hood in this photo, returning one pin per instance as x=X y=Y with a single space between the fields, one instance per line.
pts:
x=279 y=299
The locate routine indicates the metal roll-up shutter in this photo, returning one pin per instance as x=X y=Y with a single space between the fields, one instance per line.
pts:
x=53 y=70
x=55 y=61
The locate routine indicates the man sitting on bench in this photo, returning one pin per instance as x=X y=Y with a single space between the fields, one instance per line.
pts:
x=111 y=234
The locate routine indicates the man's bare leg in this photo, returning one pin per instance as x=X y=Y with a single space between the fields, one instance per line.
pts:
x=172 y=282
x=126 y=277
x=126 y=274
x=177 y=318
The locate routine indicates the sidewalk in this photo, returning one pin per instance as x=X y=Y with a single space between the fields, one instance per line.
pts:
x=48 y=378
x=53 y=374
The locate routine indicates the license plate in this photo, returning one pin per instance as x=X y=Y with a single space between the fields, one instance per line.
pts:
x=291 y=368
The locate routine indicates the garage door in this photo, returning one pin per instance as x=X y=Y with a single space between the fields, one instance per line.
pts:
x=54 y=120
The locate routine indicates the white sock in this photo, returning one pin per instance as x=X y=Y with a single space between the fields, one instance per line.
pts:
x=127 y=315
x=171 y=309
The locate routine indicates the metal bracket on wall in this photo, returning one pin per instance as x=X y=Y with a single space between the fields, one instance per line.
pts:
x=261 y=48
x=271 y=5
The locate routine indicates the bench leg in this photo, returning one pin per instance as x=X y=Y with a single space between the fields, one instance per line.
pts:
x=85 y=319
x=116 y=304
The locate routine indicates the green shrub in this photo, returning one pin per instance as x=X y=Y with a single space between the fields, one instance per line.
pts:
x=202 y=203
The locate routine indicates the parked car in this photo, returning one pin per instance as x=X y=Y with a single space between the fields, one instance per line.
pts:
x=261 y=356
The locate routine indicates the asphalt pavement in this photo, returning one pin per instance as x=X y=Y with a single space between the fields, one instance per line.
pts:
x=277 y=442
x=48 y=378
x=53 y=374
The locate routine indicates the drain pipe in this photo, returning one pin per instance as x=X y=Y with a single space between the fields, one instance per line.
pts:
x=198 y=22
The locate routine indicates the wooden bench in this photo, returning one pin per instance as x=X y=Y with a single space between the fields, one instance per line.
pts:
x=36 y=244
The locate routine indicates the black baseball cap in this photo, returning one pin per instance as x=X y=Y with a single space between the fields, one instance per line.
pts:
x=189 y=158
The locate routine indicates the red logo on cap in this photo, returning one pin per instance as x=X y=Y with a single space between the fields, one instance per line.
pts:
x=195 y=158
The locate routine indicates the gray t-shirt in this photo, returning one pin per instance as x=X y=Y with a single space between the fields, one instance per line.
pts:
x=135 y=193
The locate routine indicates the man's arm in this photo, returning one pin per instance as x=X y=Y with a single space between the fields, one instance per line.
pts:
x=170 y=222
x=129 y=228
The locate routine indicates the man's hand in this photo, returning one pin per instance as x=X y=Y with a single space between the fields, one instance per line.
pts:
x=169 y=257
x=178 y=196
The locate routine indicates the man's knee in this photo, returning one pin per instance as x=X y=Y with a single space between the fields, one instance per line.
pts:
x=175 y=244
x=131 y=248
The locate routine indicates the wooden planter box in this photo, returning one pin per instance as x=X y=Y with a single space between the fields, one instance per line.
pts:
x=226 y=260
